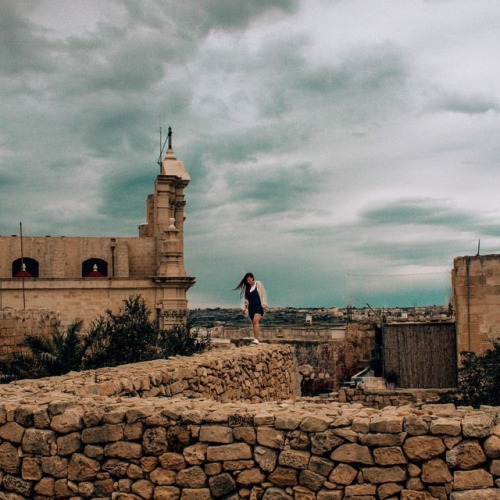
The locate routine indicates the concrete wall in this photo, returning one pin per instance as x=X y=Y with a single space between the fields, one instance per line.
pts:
x=65 y=438
x=476 y=299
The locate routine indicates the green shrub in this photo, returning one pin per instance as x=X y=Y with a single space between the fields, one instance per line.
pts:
x=113 y=339
x=478 y=379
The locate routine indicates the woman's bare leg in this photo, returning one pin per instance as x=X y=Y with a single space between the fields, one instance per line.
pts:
x=256 y=326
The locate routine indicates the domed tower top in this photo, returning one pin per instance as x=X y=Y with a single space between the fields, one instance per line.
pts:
x=170 y=165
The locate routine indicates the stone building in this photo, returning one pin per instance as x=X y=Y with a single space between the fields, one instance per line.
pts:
x=82 y=277
x=476 y=299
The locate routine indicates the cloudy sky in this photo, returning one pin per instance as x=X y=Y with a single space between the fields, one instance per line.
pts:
x=344 y=151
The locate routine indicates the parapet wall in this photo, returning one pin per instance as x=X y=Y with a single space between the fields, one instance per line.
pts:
x=91 y=436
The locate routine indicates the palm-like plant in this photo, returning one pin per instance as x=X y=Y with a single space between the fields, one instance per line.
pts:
x=41 y=356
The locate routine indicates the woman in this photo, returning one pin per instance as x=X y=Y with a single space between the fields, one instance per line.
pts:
x=255 y=302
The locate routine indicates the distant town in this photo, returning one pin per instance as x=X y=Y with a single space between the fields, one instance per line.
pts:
x=209 y=318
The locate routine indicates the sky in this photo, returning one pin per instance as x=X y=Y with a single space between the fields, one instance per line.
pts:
x=344 y=151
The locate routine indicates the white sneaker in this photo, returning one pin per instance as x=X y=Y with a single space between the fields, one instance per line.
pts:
x=255 y=342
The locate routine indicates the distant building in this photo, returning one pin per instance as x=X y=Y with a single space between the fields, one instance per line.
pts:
x=476 y=299
x=82 y=277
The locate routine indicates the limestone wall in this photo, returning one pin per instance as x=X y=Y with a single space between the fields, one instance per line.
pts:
x=82 y=436
x=15 y=324
x=476 y=299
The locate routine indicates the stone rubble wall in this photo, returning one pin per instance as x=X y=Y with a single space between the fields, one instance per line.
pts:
x=91 y=436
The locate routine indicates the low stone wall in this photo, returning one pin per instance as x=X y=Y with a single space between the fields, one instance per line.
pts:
x=380 y=398
x=252 y=374
x=177 y=448
x=109 y=434
x=15 y=324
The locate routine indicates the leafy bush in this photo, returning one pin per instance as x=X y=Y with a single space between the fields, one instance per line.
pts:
x=112 y=340
x=478 y=379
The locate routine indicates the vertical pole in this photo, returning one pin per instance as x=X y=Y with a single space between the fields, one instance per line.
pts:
x=22 y=263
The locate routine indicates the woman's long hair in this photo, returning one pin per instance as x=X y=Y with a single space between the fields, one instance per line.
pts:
x=243 y=286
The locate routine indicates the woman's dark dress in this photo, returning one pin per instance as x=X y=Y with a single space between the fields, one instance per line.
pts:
x=254 y=303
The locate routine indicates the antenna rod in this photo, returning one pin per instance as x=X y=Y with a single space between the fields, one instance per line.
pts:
x=22 y=263
x=478 y=246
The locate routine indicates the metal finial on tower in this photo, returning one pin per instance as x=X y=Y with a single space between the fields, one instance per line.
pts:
x=169 y=138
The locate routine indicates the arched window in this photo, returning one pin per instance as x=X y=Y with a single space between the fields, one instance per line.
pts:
x=94 y=268
x=25 y=268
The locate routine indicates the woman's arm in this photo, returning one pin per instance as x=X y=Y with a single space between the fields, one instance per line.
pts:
x=262 y=294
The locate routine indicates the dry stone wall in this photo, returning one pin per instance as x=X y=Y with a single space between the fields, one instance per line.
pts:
x=65 y=438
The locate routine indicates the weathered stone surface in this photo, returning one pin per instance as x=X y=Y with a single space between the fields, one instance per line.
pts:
x=221 y=484
x=245 y=434
x=82 y=468
x=31 y=469
x=276 y=494
x=294 y=458
x=124 y=450
x=195 y=454
x=311 y=480
x=69 y=421
x=38 y=441
x=324 y=442
x=216 y=434
x=360 y=490
x=485 y=494
x=435 y=471
x=352 y=453
x=12 y=432
x=251 y=476
x=285 y=421
x=272 y=438
x=415 y=495
x=195 y=494
x=446 y=426
x=238 y=465
x=466 y=455
x=162 y=476
x=143 y=488
x=167 y=493
x=417 y=425
x=472 y=479
x=69 y=444
x=386 y=424
x=45 y=487
x=330 y=495
x=388 y=490
x=283 y=476
x=315 y=424
x=154 y=441
x=104 y=434
x=172 y=461
x=477 y=425
x=235 y=451
x=343 y=474
x=55 y=466
x=9 y=458
x=378 y=475
x=382 y=439
x=423 y=447
x=17 y=485
x=495 y=467
x=492 y=446
x=391 y=455
x=193 y=477
x=320 y=465
x=266 y=458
